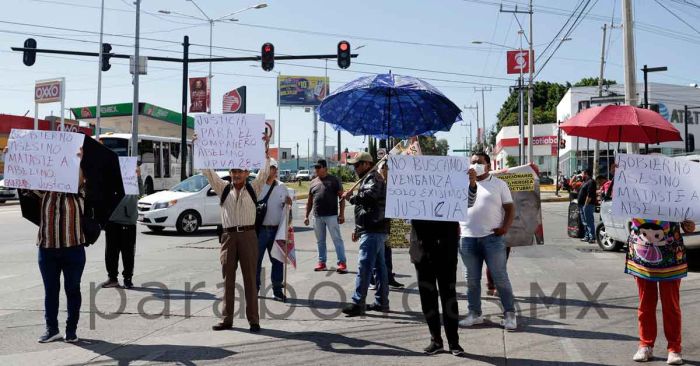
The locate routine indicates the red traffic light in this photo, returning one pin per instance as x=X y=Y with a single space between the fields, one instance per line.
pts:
x=344 y=54
x=267 y=57
x=343 y=46
x=267 y=48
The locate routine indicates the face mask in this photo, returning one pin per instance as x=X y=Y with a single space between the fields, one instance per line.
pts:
x=480 y=169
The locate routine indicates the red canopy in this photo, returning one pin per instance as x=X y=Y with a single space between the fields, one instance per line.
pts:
x=621 y=123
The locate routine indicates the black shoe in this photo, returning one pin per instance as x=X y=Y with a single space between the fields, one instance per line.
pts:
x=49 y=336
x=110 y=283
x=394 y=283
x=222 y=326
x=456 y=350
x=70 y=337
x=353 y=310
x=378 y=308
x=128 y=284
x=279 y=296
x=433 y=348
x=255 y=328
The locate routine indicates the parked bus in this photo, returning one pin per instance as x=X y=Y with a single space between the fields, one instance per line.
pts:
x=160 y=158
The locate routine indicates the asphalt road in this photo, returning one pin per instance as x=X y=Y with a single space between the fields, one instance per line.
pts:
x=576 y=307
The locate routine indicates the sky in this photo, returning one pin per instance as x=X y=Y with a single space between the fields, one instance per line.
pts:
x=426 y=39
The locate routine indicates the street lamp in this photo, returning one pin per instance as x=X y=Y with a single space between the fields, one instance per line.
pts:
x=646 y=70
x=211 y=21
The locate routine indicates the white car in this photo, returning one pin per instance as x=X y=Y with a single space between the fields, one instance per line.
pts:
x=6 y=193
x=186 y=207
x=303 y=175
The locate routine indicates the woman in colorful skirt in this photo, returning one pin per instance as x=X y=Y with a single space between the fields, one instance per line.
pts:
x=656 y=258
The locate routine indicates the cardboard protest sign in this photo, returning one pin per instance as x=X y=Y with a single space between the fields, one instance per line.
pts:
x=399 y=233
x=656 y=187
x=525 y=190
x=127 y=164
x=229 y=141
x=427 y=188
x=43 y=160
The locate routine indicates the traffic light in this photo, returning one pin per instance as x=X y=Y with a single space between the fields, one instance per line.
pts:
x=344 y=54
x=106 y=50
x=268 y=57
x=29 y=55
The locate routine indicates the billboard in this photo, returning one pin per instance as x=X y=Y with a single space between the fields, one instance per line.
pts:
x=301 y=90
x=199 y=94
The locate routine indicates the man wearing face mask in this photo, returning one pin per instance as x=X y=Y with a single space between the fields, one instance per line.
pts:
x=483 y=240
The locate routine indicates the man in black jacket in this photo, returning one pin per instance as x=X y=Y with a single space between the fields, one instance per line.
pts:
x=371 y=229
x=433 y=251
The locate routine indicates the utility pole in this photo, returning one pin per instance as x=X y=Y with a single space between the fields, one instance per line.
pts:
x=531 y=69
x=135 y=105
x=315 y=134
x=476 y=106
x=629 y=66
x=646 y=70
x=297 y=156
x=98 y=112
x=521 y=122
x=596 y=149
x=530 y=94
x=483 y=114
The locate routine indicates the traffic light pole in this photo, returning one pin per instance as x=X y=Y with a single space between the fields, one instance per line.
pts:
x=183 y=122
x=185 y=61
x=98 y=111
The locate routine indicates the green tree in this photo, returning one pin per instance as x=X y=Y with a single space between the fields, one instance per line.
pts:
x=511 y=162
x=594 y=82
x=430 y=145
x=546 y=96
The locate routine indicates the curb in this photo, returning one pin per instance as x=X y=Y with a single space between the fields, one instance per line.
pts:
x=555 y=199
x=10 y=203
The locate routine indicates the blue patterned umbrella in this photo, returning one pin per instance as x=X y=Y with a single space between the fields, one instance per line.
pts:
x=389 y=105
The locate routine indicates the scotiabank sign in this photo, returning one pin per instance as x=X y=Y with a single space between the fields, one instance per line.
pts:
x=48 y=91
x=537 y=140
x=544 y=140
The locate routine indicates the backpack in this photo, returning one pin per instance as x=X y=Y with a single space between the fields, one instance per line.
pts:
x=260 y=206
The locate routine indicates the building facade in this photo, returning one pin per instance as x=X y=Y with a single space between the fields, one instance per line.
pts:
x=544 y=148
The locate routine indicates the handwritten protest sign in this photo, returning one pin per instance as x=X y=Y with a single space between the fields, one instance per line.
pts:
x=127 y=164
x=656 y=187
x=427 y=188
x=399 y=233
x=519 y=182
x=229 y=141
x=43 y=160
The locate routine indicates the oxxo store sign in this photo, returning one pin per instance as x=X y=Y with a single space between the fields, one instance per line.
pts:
x=48 y=91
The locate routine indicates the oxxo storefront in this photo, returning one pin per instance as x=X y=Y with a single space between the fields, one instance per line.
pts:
x=544 y=147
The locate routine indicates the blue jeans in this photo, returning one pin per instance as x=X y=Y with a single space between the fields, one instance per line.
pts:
x=371 y=256
x=588 y=221
x=70 y=261
x=492 y=250
x=266 y=239
x=320 y=225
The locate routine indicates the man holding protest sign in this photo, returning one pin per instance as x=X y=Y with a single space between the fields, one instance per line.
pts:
x=482 y=240
x=120 y=232
x=371 y=229
x=61 y=239
x=228 y=139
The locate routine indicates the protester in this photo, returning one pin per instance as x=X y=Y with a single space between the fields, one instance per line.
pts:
x=433 y=251
x=586 y=204
x=120 y=237
x=657 y=259
x=61 y=243
x=238 y=201
x=324 y=193
x=371 y=229
x=388 y=258
x=275 y=197
x=483 y=240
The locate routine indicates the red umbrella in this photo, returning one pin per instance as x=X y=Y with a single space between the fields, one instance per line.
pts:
x=621 y=123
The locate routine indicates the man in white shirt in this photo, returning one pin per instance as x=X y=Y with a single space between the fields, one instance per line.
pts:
x=483 y=240
x=275 y=194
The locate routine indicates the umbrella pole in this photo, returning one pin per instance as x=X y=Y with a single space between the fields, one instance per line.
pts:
x=373 y=168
